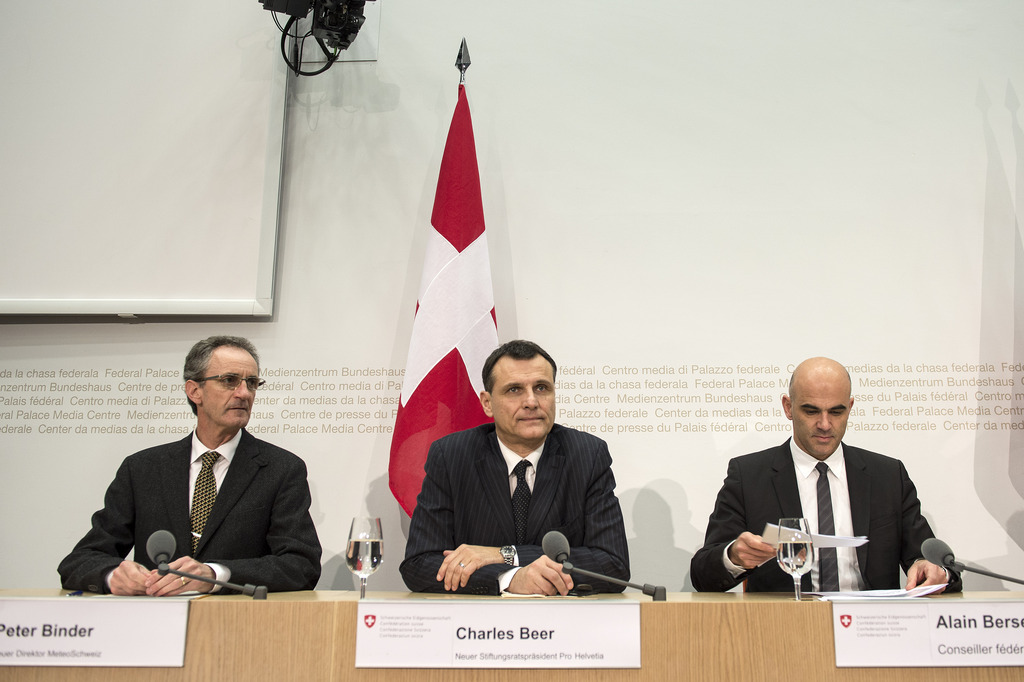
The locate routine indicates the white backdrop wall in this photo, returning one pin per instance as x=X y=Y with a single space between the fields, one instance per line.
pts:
x=669 y=188
x=152 y=129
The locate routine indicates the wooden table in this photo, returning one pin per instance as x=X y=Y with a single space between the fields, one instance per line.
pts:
x=312 y=636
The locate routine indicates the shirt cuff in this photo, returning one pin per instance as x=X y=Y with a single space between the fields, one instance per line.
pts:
x=734 y=570
x=505 y=579
x=221 y=573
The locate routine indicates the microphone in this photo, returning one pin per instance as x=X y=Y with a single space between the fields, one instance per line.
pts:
x=939 y=553
x=556 y=548
x=160 y=547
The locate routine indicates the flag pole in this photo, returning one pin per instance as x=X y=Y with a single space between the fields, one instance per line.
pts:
x=454 y=328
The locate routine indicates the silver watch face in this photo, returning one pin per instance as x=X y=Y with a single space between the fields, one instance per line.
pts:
x=508 y=553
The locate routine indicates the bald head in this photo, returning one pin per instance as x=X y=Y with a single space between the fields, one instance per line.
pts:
x=820 y=371
x=819 y=403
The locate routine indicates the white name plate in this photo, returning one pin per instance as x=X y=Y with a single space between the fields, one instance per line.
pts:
x=506 y=633
x=93 y=631
x=928 y=633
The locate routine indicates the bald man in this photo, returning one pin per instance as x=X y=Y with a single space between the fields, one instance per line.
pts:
x=870 y=494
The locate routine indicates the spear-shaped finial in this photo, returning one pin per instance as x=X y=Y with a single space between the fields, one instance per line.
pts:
x=462 y=61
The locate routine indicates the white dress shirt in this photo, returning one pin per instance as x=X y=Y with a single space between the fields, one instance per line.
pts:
x=220 y=470
x=511 y=460
x=807 y=485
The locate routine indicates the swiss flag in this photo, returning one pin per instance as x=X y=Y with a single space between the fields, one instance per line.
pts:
x=454 y=330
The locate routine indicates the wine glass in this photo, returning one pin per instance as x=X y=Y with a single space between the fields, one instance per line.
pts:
x=365 y=548
x=795 y=553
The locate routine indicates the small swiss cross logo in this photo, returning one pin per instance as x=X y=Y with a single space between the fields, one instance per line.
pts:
x=846 y=619
x=370 y=621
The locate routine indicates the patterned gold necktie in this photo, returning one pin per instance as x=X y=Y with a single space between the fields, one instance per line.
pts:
x=203 y=497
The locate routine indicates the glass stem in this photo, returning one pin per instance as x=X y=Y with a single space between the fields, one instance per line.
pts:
x=362 y=588
x=796 y=586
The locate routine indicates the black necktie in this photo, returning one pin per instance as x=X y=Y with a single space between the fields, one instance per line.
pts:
x=521 y=501
x=203 y=497
x=828 y=565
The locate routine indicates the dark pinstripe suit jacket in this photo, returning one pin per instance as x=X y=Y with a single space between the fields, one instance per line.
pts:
x=259 y=526
x=761 y=487
x=465 y=500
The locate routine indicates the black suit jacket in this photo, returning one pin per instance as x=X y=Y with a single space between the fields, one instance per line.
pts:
x=465 y=500
x=259 y=527
x=761 y=488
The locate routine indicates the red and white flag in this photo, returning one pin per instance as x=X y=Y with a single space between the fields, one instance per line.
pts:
x=454 y=330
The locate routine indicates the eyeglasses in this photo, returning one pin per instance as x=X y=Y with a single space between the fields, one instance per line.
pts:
x=231 y=381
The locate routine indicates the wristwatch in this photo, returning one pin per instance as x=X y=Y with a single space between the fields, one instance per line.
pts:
x=508 y=553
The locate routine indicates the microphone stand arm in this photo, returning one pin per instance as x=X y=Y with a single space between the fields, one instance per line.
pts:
x=658 y=593
x=957 y=566
x=257 y=592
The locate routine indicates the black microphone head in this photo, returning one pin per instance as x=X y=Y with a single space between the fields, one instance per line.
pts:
x=160 y=546
x=555 y=546
x=938 y=552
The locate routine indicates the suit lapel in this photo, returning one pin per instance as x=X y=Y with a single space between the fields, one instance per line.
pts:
x=787 y=493
x=784 y=482
x=247 y=461
x=493 y=476
x=550 y=470
x=858 y=481
x=176 y=493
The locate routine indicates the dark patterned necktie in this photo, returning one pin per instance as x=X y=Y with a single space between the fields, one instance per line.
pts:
x=203 y=497
x=521 y=501
x=828 y=564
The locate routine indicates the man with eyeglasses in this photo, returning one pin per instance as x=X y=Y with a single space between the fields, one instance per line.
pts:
x=257 y=531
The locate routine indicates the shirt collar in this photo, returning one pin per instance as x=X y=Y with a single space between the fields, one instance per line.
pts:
x=227 y=450
x=512 y=459
x=805 y=464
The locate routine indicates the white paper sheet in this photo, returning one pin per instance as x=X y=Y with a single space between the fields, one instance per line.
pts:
x=772 y=532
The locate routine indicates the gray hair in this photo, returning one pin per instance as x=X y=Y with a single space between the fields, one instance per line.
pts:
x=198 y=359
